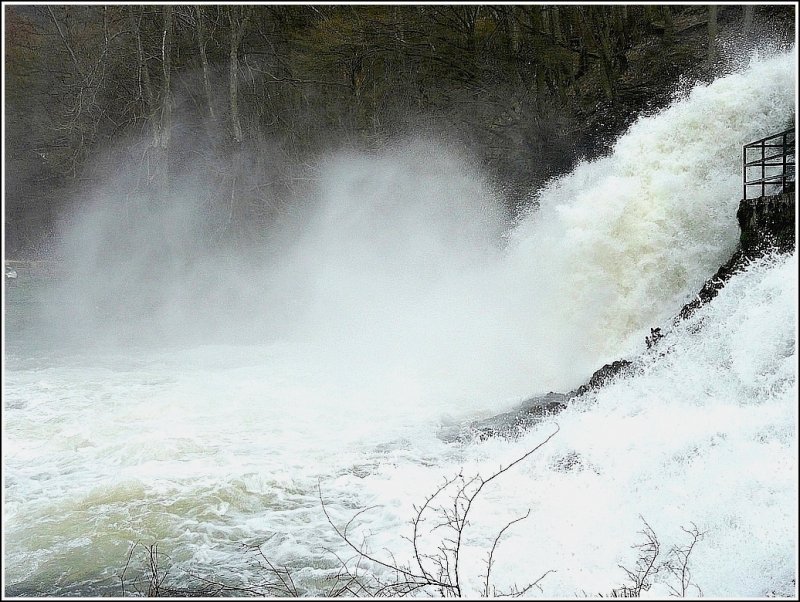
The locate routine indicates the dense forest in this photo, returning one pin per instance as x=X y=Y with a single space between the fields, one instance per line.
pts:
x=242 y=99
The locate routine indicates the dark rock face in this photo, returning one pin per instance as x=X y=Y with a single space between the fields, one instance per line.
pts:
x=514 y=422
x=528 y=413
x=713 y=285
x=535 y=409
x=767 y=223
x=604 y=375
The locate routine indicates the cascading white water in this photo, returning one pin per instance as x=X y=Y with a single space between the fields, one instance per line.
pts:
x=704 y=434
x=619 y=242
x=396 y=307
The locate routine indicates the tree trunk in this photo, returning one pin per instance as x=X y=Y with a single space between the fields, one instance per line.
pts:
x=145 y=89
x=747 y=21
x=201 y=39
x=669 y=23
x=237 y=33
x=514 y=36
x=712 y=34
x=165 y=125
x=556 y=24
x=158 y=111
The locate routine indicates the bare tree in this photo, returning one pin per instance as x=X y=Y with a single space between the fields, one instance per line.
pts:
x=712 y=34
x=439 y=570
x=678 y=564
x=648 y=565
x=238 y=16
x=158 y=104
x=641 y=575
x=747 y=21
x=201 y=42
x=165 y=124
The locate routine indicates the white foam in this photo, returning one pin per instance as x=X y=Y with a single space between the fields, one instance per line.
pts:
x=398 y=305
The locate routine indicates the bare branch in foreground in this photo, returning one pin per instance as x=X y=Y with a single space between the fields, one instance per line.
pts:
x=647 y=565
x=439 y=570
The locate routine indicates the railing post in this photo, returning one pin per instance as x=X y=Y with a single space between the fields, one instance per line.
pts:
x=744 y=172
x=783 y=152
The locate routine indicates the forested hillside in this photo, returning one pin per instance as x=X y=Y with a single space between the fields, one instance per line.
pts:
x=242 y=99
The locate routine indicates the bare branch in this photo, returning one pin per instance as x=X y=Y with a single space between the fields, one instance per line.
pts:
x=490 y=560
x=67 y=45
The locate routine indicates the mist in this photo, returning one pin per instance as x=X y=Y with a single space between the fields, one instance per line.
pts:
x=407 y=260
x=387 y=260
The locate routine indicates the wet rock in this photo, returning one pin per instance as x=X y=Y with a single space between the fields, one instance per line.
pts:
x=511 y=423
x=604 y=375
x=533 y=410
x=767 y=223
x=713 y=285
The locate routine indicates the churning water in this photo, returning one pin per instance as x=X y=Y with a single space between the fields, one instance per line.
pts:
x=401 y=302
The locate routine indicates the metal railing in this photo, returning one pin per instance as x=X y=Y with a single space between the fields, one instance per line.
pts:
x=773 y=162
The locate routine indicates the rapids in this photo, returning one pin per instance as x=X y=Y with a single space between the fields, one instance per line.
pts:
x=405 y=300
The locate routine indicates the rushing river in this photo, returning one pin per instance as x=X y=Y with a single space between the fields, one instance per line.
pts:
x=409 y=305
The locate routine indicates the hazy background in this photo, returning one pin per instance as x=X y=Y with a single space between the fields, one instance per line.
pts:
x=378 y=184
x=234 y=105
